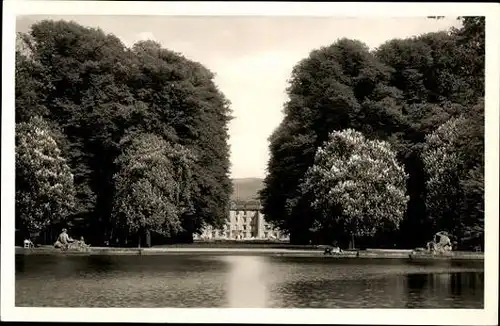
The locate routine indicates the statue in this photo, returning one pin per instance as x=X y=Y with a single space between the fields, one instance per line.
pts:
x=63 y=240
x=440 y=244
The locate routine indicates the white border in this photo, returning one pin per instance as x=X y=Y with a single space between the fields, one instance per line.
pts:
x=486 y=316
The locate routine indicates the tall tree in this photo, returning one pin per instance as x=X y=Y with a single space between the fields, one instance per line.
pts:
x=400 y=92
x=454 y=162
x=182 y=103
x=442 y=77
x=95 y=90
x=153 y=186
x=336 y=87
x=44 y=182
x=83 y=72
x=356 y=185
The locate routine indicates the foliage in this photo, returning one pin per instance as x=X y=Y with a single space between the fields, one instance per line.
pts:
x=80 y=68
x=185 y=106
x=442 y=87
x=454 y=161
x=399 y=92
x=336 y=87
x=96 y=91
x=153 y=185
x=44 y=182
x=471 y=47
x=442 y=165
x=356 y=184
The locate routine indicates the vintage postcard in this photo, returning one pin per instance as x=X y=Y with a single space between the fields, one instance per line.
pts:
x=250 y=162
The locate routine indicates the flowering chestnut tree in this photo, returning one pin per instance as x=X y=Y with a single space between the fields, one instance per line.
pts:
x=453 y=158
x=45 y=192
x=153 y=186
x=356 y=184
x=442 y=165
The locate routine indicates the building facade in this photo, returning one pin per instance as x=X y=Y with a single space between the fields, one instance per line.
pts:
x=245 y=222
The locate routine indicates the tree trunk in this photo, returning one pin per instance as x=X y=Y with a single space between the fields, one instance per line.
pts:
x=352 y=244
x=139 y=240
x=148 y=239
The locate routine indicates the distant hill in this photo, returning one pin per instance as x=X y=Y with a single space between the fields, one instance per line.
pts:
x=245 y=189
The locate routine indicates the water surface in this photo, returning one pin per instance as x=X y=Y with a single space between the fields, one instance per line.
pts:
x=244 y=281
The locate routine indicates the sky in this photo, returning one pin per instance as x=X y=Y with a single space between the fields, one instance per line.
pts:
x=252 y=58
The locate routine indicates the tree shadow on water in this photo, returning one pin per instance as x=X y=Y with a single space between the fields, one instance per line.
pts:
x=99 y=264
x=467 y=283
x=417 y=282
x=445 y=290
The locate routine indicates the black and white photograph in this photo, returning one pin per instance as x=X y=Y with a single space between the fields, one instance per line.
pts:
x=322 y=166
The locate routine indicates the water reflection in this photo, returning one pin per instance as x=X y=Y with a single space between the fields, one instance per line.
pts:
x=444 y=289
x=340 y=293
x=246 y=286
x=190 y=280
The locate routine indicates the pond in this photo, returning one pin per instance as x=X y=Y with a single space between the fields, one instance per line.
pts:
x=244 y=281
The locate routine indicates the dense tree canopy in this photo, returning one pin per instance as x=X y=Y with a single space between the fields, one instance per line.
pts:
x=105 y=105
x=96 y=91
x=337 y=87
x=186 y=107
x=399 y=93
